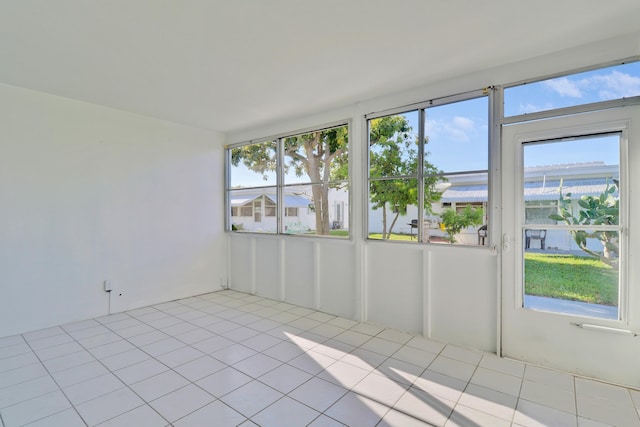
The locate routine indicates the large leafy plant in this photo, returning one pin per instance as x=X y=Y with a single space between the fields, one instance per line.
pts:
x=593 y=210
x=454 y=222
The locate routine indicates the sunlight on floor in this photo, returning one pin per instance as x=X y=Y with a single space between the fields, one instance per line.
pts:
x=244 y=360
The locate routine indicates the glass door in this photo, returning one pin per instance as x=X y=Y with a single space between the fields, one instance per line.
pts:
x=567 y=298
x=571 y=227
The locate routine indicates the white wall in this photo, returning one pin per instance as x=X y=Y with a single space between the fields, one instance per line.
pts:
x=89 y=193
x=312 y=272
x=448 y=293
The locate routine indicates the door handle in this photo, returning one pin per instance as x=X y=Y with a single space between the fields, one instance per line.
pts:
x=506 y=242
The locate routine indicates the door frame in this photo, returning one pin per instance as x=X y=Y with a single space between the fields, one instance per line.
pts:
x=526 y=334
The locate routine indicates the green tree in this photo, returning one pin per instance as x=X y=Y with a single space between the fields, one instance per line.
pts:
x=454 y=222
x=394 y=153
x=593 y=210
x=322 y=156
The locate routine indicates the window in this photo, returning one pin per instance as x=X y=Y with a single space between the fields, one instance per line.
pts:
x=269 y=207
x=540 y=212
x=577 y=233
x=252 y=182
x=604 y=84
x=460 y=207
x=242 y=211
x=308 y=170
x=435 y=157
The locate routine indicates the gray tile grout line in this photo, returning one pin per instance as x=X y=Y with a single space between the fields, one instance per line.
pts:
x=320 y=414
x=282 y=363
x=186 y=345
x=151 y=357
x=348 y=390
x=247 y=325
x=262 y=352
x=54 y=380
x=351 y=389
x=100 y=362
x=257 y=379
x=159 y=361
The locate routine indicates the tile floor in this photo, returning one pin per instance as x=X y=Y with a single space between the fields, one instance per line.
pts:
x=229 y=359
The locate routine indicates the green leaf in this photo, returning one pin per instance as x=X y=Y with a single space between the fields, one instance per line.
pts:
x=584 y=203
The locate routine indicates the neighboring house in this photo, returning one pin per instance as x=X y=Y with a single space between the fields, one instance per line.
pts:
x=256 y=210
x=541 y=194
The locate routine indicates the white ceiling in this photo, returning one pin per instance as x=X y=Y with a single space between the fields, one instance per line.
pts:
x=229 y=65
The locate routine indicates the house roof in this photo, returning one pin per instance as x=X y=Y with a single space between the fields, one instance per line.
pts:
x=290 y=200
x=534 y=189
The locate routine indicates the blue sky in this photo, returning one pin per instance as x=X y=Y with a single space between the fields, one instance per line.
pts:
x=458 y=135
x=583 y=150
x=592 y=86
x=458 y=132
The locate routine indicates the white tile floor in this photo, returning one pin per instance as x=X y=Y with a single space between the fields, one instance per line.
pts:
x=229 y=359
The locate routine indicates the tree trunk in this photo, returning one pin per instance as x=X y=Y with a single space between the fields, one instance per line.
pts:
x=321 y=204
x=393 y=223
x=384 y=222
x=320 y=189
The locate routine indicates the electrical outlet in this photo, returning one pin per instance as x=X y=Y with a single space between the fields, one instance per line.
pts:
x=107 y=285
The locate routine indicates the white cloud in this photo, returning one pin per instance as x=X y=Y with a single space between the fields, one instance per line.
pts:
x=462 y=123
x=432 y=127
x=458 y=128
x=528 y=108
x=564 y=87
x=532 y=108
x=616 y=85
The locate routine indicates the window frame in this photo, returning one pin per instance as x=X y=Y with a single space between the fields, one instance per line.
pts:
x=564 y=111
x=281 y=186
x=292 y=211
x=533 y=207
x=493 y=139
x=587 y=131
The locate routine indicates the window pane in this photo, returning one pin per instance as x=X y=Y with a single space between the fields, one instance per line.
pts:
x=619 y=81
x=393 y=145
x=583 y=169
x=461 y=211
x=251 y=210
x=393 y=209
x=456 y=150
x=320 y=210
x=270 y=207
x=253 y=165
x=572 y=272
x=457 y=136
x=317 y=157
x=569 y=268
x=540 y=211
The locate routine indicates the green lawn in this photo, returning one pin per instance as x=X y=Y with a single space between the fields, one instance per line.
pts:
x=570 y=277
x=394 y=236
x=345 y=233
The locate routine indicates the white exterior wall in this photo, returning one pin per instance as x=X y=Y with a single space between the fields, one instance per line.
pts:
x=90 y=193
x=268 y=224
x=305 y=220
